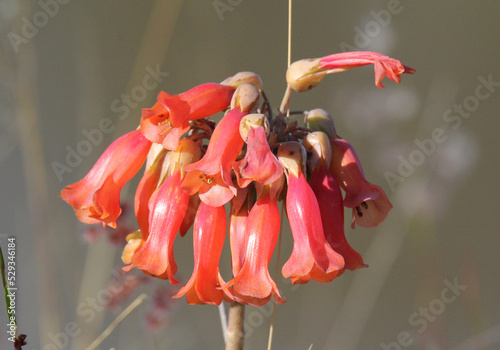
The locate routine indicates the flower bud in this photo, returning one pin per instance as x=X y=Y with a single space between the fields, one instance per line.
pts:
x=320 y=120
x=253 y=121
x=245 y=97
x=303 y=75
x=293 y=157
x=318 y=145
x=244 y=78
x=186 y=153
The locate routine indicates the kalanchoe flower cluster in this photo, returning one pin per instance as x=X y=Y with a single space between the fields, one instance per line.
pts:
x=250 y=160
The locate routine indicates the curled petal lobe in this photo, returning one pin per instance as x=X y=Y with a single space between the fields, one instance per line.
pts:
x=205 y=284
x=259 y=163
x=369 y=202
x=96 y=197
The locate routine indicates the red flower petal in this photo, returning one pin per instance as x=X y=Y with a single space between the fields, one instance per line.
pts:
x=312 y=256
x=168 y=207
x=329 y=198
x=253 y=285
x=205 y=284
x=369 y=202
x=259 y=163
x=384 y=65
x=95 y=198
x=169 y=118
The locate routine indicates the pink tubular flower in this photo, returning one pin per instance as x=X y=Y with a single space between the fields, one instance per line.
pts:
x=312 y=256
x=259 y=164
x=369 y=202
x=167 y=208
x=169 y=118
x=205 y=284
x=305 y=74
x=211 y=176
x=96 y=198
x=384 y=65
x=253 y=285
x=329 y=198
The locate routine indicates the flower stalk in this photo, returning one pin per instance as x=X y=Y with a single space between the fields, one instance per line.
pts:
x=235 y=335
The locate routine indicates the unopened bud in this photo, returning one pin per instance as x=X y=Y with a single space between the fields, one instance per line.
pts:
x=318 y=145
x=303 y=75
x=244 y=78
x=293 y=156
x=186 y=153
x=245 y=97
x=253 y=121
x=320 y=120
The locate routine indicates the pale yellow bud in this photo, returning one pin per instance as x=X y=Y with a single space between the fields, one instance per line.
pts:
x=244 y=78
x=318 y=145
x=186 y=153
x=320 y=120
x=303 y=75
x=253 y=121
x=293 y=157
x=245 y=97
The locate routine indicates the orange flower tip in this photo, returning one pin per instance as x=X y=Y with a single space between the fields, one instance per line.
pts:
x=252 y=121
x=245 y=98
x=244 y=78
x=293 y=156
x=320 y=120
x=303 y=75
x=317 y=144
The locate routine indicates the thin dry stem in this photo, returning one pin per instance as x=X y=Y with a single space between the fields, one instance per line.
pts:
x=117 y=321
x=235 y=336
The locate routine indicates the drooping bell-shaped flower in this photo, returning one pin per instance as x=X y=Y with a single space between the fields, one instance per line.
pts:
x=96 y=198
x=211 y=176
x=167 y=208
x=369 y=202
x=259 y=164
x=312 y=256
x=252 y=284
x=169 y=118
x=205 y=284
x=329 y=197
x=305 y=74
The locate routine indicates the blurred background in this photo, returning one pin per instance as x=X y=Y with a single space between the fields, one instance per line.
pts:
x=431 y=142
